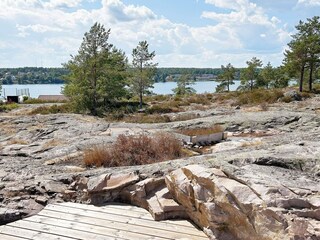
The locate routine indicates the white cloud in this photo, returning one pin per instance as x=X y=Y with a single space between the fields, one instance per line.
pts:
x=57 y=28
x=37 y=28
x=62 y=3
x=245 y=21
x=309 y=2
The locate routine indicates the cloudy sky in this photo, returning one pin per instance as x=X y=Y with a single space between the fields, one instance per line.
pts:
x=184 y=33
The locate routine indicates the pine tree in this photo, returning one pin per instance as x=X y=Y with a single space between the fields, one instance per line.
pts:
x=184 y=83
x=97 y=72
x=226 y=78
x=304 y=50
x=143 y=70
x=250 y=74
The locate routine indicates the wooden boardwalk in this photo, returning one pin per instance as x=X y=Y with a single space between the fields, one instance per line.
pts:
x=68 y=221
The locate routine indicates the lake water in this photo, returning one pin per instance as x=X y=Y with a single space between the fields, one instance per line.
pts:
x=159 y=88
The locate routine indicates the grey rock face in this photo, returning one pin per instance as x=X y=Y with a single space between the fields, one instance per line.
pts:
x=276 y=151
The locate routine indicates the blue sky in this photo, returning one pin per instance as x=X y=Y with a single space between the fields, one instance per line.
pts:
x=184 y=33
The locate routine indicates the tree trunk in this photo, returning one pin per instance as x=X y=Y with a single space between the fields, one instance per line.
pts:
x=301 y=78
x=310 y=76
x=228 y=85
x=141 y=87
x=94 y=107
x=140 y=100
x=251 y=84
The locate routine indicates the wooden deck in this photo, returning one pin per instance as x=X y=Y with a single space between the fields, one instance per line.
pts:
x=67 y=221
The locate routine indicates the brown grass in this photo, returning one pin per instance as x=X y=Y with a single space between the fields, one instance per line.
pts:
x=251 y=144
x=18 y=141
x=53 y=143
x=146 y=118
x=202 y=131
x=134 y=150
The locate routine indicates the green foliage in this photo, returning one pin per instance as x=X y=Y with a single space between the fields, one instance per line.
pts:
x=32 y=75
x=143 y=70
x=258 y=96
x=304 y=51
x=250 y=73
x=266 y=76
x=97 y=73
x=8 y=107
x=39 y=101
x=281 y=78
x=183 y=87
x=52 y=109
x=226 y=78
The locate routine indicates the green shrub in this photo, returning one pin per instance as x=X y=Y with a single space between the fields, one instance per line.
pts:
x=39 y=101
x=259 y=96
x=6 y=107
x=286 y=99
x=53 y=109
x=159 y=109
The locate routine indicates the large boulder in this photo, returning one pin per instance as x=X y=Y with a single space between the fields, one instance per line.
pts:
x=224 y=207
x=106 y=188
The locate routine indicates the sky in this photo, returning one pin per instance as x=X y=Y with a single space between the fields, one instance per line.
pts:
x=183 y=33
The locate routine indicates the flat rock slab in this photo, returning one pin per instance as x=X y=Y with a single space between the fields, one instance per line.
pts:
x=114 y=221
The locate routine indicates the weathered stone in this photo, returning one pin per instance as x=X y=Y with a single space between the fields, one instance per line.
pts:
x=137 y=194
x=41 y=200
x=121 y=181
x=107 y=182
x=292 y=203
x=54 y=187
x=315 y=214
x=9 y=215
x=79 y=184
x=96 y=184
x=107 y=187
x=217 y=203
x=2 y=173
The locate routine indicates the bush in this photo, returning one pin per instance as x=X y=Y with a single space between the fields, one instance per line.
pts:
x=39 y=101
x=259 y=96
x=159 y=109
x=134 y=150
x=53 y=109
x=5 y=107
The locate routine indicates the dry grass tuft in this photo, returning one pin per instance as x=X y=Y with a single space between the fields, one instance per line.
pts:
x=251 y=144
x=134 y=150
x=53 y=143
x=202 y=131
x=18 y=141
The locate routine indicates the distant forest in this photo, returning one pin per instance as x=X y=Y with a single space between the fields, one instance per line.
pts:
x=40 y=75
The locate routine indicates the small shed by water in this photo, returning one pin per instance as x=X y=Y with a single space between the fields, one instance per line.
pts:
x=54 y=98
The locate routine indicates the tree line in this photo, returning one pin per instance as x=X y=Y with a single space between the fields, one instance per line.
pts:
x=100 y=73
x=32 y=75
x=41 y=75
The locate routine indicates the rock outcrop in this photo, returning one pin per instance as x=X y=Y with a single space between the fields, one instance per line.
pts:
x=225 y=208
x=223 y=205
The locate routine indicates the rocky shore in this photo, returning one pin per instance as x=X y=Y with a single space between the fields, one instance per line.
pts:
x=274 y=152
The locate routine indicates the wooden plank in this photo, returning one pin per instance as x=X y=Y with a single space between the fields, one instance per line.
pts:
x=9 y=237
x=142 y=210
x=29 y=234
x=55 y=230
x=124 y=223
x=111 y=230
x=112 y=222
x=123 y=212
x=142 y=214
x=91 y=211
